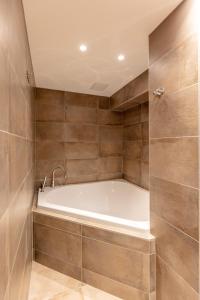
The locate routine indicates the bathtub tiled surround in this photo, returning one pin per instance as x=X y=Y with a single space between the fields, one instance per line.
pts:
x=136 y=145
x=174 y=157
x=16 y=153
x=80 y=133
x=120 y=264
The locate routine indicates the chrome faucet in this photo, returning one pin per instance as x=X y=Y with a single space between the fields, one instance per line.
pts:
x=53 y=174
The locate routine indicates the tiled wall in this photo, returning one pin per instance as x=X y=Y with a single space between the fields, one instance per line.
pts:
x=120 y=264
x=16 y=153
x=80 y=133
x=174 y=154
x=136 y=145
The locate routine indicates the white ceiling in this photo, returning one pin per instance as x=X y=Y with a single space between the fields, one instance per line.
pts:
x=56 y=28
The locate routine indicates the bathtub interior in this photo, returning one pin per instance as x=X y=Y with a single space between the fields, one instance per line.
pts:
x=117 y=202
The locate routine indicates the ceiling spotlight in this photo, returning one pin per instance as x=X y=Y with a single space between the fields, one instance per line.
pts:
x=121 y=57
x=83 y=48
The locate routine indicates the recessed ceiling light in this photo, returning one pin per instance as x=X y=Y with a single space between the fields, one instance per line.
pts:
x=121 y=57
x=83 y=48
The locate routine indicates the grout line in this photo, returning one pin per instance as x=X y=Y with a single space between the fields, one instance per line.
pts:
x=176 y=183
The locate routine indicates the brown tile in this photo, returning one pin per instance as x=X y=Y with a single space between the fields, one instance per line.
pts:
x=145 y=131
x=175 y=160
x=50 y=150
x=108 y=117
x=81 y=114
x=58 y=265
x=82 y=167
x=170 y=286
x=52 y=131
x=176 y=115
x=18 y=157
x=50 y=105
x=182 y=255
x=16 y=278
x=145 y=112
x=134 y=88
x=18 y=106
x=130 y=242
x=173 y=30
x=177 y=204
x=81 y=133
x=113 y=287
x=17 y=212
x=111 y=133
x=132 y=170
x=145 y=175
x=4 y=255
x=57 y=223
x=176 y=70
x=111 y=149
x=133 y=132
x=133 y=149
x=45 y=168
x=84 y=100
x=82 y=178
x=145 y=151
x=132 y=116
x=125 y=266
x=4 y=175
x=58 y=244
x=4 y=87
x=104 y=103
x=81 y=150
x=110 y=164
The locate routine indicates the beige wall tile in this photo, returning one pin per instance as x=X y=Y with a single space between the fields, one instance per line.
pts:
x=49 y=105
x=115 y=263
x=53 y=131
x=4 y=255
x=175 y=115
x=45 y=168
x=182 y=254
x=111 y=133
x=114 y=287
x=57 y=223
x=177 y=204
x=81 y=150
x=132 y=170
x=175 y=160
x=170 y=286
x=145 y=175
x=110 y=164
x=108 y=117
x=4 y=175
x=133 y=132
x=133 y=149
x=179 y=24
x=176 y=70
x=50 y=150
x=76 y=99
x=123 y=240
x=80 y=133
x=81 y=114
x=111 y=149
x=4 y=87
x=58 y=265
x=132 y=116
x=82 y=167
x=58 y=244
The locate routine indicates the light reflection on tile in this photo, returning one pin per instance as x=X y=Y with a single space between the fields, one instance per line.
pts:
x=47 y=284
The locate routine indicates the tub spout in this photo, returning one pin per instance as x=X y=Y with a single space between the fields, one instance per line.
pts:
x=53 y=174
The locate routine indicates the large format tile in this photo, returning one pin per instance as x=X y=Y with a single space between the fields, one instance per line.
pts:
x=80 y=133
x=182 y=255
x=177 y=204
x=174 y=29
x=49 y=105
x=53 y=131
x=174 y=115
x=81 y=114
x=177 y=69
x=170 y=286
x=59 y=244
x=4 y=255
x=175 y=159
x=81 y=150
x=4 y=87
x=4 y=175
x=116 y=263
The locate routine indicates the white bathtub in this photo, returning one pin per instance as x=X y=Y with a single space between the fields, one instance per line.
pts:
x=116 y=202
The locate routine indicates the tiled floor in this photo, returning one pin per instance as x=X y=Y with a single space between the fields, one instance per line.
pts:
x=47 y=284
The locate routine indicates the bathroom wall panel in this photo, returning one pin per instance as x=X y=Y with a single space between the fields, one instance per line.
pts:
x=136 y=145
x=83 y=135
x=16 y=152
x=121 y=264
x=174 y=154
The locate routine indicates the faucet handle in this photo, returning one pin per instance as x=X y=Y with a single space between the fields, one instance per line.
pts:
x=44 y=183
